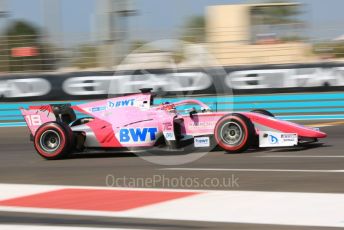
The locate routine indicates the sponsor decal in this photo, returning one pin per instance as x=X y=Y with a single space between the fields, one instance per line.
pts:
x=201 y=142
x=167 y=126
x=143 y=104
x=273 y=139
x=113 y=104
x=203 y=125
x=169 y=136
x=134 y=135
x=288 y=137
x=98 y=109
x=121 y=103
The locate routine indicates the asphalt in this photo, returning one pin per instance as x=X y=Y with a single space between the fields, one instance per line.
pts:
x=305 y=169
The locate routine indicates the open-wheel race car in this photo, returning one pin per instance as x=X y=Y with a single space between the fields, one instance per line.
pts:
x=133 y=121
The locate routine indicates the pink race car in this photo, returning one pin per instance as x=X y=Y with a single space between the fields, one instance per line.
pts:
x=133 y=121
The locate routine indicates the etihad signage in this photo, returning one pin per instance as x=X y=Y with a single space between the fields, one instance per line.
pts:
x=96 y=85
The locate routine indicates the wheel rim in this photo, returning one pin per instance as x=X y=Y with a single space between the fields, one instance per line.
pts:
x=231 y=133
x=50 y=141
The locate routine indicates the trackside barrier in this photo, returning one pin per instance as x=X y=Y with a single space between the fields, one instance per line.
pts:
x=305 y=106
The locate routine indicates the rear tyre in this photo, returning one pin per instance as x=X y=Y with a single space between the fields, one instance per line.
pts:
x=53 y=140
x=264 y=112
x=234 y=133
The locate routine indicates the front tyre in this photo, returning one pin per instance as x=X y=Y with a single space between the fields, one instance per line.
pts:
x=234 y=133
x=53 y=140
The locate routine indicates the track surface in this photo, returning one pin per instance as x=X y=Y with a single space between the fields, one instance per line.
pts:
x=299 y=170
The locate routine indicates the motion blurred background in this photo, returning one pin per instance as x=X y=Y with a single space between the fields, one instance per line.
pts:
x=79 y=35
x=284 y=56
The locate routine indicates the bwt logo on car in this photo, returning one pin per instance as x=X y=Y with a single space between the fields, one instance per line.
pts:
x=202 y=141
x=137 y=134
x=273 y=139
x=123 y=103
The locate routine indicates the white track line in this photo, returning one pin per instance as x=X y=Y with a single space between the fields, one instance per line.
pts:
x=298 y=156
x=257 y=170
x=46 y=227
x=9 y=191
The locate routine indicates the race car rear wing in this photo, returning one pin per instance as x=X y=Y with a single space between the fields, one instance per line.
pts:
x=36 y=116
